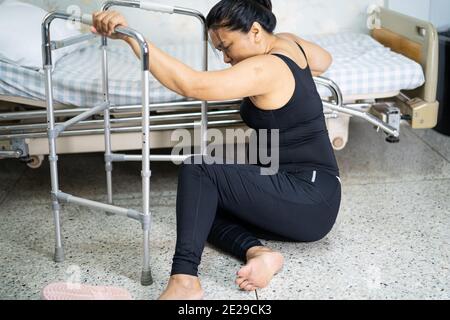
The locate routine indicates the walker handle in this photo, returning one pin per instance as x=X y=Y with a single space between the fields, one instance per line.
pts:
x=157 y=7
x=87 y=19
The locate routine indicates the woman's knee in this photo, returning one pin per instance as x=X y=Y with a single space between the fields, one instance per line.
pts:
x=193 y=160
x=189 y=167
x=194 y=165
x=311 y=237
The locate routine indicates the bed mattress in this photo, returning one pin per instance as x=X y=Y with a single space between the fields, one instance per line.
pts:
x=361 y=66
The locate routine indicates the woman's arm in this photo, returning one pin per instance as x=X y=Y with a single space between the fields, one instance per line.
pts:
x=319 y=59
x=171 y=72
x=252 y=77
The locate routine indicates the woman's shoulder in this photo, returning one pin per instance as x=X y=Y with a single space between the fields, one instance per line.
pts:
x=294 y=39
x=290 y=36
x=319 y=59
x=305 y=44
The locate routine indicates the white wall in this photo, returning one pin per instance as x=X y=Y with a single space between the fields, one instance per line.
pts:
x=415 y=8
x=440 y=13
x=299 y=16
x=435 y=11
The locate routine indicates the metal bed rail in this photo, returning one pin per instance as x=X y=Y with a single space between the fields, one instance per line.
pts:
x=30 y=128
x=353 y=109
x=167 y=112
x=182 y=105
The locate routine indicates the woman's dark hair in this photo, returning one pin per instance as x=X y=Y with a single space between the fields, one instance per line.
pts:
x=239 y=15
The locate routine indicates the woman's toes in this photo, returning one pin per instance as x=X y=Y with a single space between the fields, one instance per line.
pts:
x=240 y=280
x=250 y=287
x=245 y=271
x=244 y=284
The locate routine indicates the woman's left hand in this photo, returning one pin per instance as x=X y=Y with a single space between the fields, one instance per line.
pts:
x=105 y=23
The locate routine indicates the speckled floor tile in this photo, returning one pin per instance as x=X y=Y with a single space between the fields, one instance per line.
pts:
x=10 y=173
x=99 y=250
x=390 y=242
x=80 y=175
x=369 y=159
x=391 y=239
x=438 y=141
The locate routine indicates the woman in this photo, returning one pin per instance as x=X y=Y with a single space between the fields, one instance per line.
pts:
x=231 y=206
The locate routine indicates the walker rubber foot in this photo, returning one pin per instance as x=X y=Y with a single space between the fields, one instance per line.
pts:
x=59 y=255
x=75 y=291
x=146 y=278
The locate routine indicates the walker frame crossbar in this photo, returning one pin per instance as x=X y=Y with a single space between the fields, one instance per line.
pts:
x=56 y=130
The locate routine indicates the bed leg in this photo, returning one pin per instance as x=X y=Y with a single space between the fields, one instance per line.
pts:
x=391 y=114
x=392 y=139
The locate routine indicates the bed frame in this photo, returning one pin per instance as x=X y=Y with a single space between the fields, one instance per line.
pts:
x=23 y=133
x=417 y=40
x=28 y=132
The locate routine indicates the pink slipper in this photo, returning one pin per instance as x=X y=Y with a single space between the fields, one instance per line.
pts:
x=74 y=291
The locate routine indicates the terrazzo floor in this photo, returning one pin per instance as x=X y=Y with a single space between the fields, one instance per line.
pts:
x=391 y=240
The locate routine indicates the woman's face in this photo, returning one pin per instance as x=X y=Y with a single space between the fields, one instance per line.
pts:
x=235 y=45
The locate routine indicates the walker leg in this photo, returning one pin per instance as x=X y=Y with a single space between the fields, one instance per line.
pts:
x=108 y=153
x=53 y=158
x=107 y=116
x=146 y=279
x=59 y=250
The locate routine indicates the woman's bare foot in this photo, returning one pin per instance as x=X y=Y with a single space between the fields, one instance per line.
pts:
x=262 y=264
x=183 y=287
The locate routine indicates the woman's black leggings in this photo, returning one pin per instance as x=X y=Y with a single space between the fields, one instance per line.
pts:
x=231 y=206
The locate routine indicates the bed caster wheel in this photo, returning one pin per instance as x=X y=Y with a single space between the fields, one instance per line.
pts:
x=35 y=162
x=338 y=143
x=392 y=139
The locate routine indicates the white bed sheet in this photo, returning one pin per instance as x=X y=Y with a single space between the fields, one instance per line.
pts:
x=361 y=66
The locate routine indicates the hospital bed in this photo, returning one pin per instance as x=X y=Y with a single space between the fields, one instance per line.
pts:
x=390 y=75
x=123 y=108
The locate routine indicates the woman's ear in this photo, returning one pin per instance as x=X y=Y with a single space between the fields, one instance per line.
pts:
x=256 y=32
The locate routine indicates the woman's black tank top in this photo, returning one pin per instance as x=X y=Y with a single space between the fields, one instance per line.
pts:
x=304 y=142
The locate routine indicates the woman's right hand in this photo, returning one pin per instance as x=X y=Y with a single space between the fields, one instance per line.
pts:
x=105 y=22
